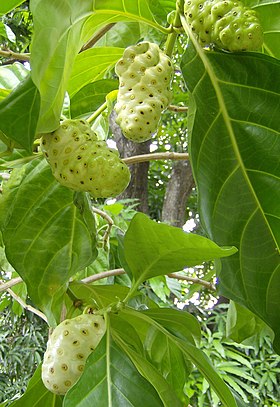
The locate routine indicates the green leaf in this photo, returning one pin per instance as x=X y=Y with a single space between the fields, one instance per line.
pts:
x=179 y=323
x=102 y=295
x=91 y=96
x=242 y=324
x=19 y=114
x=91 y=65
x=153 y=249
x=195 y=355
x=37 y=395
x=168 y=360
x=164 y=390
x=121 y=35
x=8 y=5
x=55 y=44
x=47 y=238
x=110 y=379
x=268 y=13
x=12 y=75
x=107 y=12
x=235 y=149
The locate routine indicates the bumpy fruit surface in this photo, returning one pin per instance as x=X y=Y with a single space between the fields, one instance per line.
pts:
x=227 y=24
x=81 y=162
x=145 y=73
x=67 y=350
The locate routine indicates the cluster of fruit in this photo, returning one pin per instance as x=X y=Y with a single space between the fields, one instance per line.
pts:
x=226 y=23
x=68 y=348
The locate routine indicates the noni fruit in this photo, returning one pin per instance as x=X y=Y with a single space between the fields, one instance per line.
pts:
x=68 y=348
x=226 y=23
x=82 y=162
x=145 y=73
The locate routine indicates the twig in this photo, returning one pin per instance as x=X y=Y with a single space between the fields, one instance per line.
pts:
x=10 y=283
x=155 y=156
x=194 y=280
x=94 y=115
x=97 y=36
x=14 y=55
x=104 y=274
x=175 y=108
x=108 y=219
x=26 y=306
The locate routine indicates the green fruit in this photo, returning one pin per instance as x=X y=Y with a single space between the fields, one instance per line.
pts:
x=68 y=348
x=81 y=162
x=228 y=24
x=145 y=74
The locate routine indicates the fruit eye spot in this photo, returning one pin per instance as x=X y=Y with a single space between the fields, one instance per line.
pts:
x=65 y=333
x=55 y=386
x=91 y=347
x=67 y=383
x=46 y=154
x=82 y=182
x=80 y=356
x=64 y=367
x=44 y=142
x=54 y=152
x=59 y=351
x=96 y=325
x=149 y=56
x=52 y=370
x=81 y=368
x=68 y=150
x=151 y=95
x=76 y=343
x=56 y=139
x=79 y=157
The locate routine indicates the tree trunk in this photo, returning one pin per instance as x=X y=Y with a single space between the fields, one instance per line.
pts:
x=177 y=192
x=138 y=186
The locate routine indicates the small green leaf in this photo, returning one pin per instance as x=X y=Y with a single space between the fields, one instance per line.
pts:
x=19 y=113
x=91 y=96
x=12 y=75
x=91 y=65
x=153 y=249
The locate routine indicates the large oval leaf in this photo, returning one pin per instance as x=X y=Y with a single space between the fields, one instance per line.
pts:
x=235 y=149
x=47 y=238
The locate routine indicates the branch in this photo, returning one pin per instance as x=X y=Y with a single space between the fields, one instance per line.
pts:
x=155 y=156
x=26 y=306
x=194 y=280
x=97 y=36
x=14 y=55
x=10 y=283
x=175 y=108
x=104 y=274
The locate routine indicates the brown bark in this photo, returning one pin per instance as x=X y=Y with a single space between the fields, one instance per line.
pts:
x=177 y=192
x=138 y=186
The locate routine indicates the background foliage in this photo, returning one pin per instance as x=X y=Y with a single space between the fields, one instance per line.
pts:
x=54 y=238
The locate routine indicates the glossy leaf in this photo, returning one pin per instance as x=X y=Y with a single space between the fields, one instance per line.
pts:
x=235 y=150
x=91 y=96
x=8 y=5
x=91 y=65
x=110 y=379
x=102 y=295
x=146 y=369
x=121 y=35
x=55 y=44
x=47 y=238
x=37 y=395
x=191 y=352
x=268 y=13
x=19 y=114
x=153 y=249
x=107 y=12
x=12 y=75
